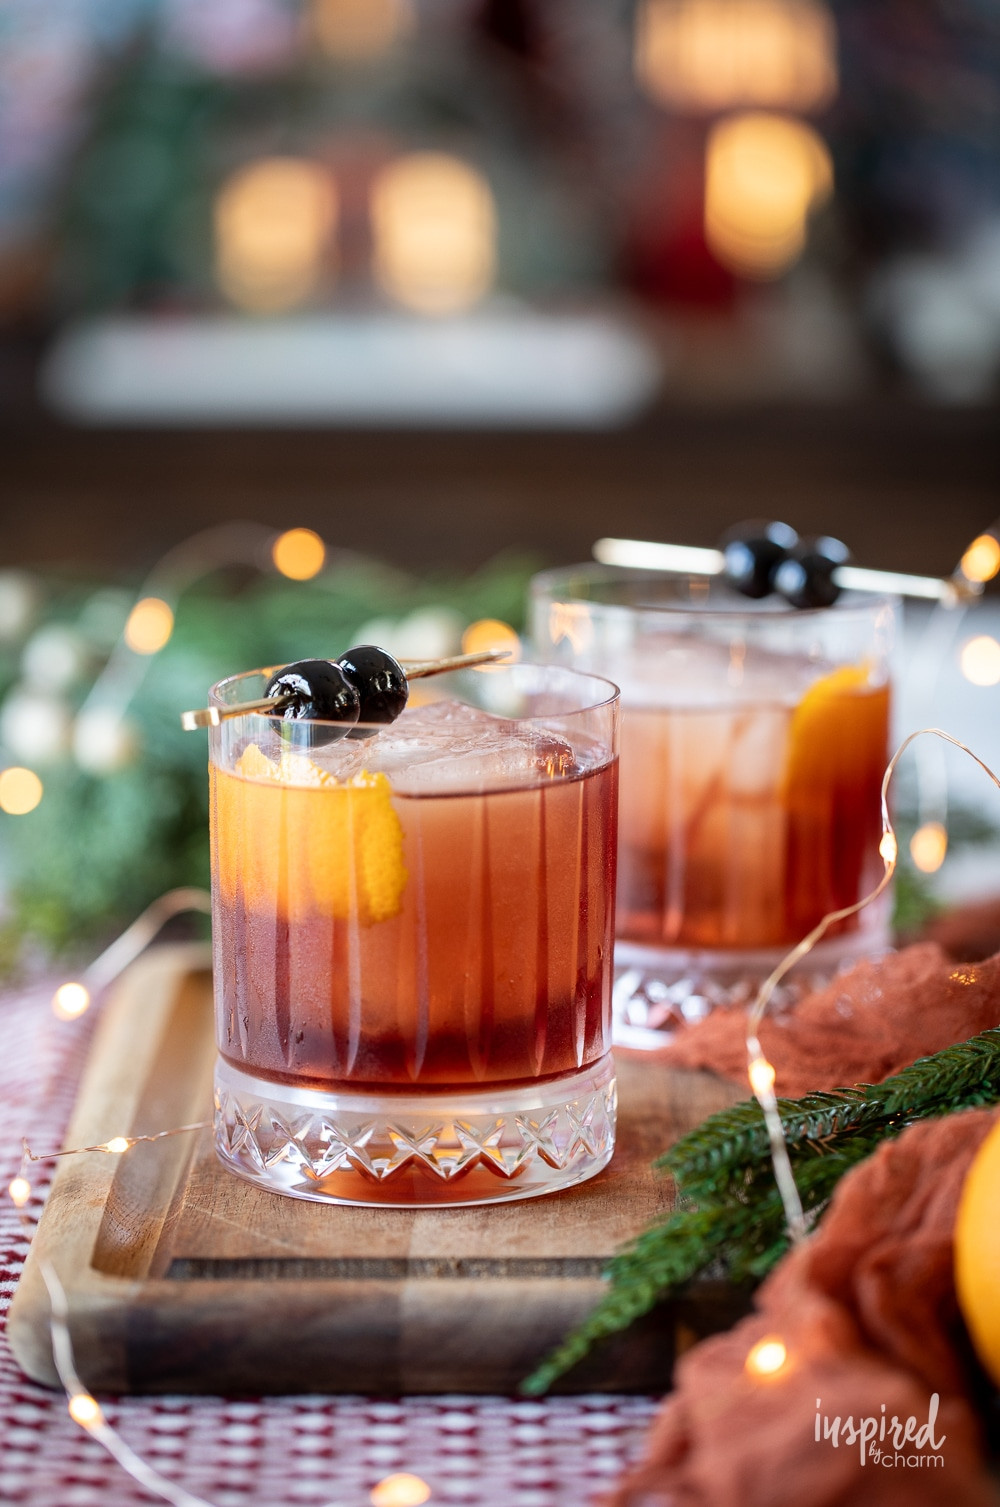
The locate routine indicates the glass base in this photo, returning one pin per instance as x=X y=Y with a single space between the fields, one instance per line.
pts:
x=659 y=992
x=413 y=1149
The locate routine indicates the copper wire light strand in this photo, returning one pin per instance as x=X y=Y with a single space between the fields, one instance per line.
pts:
x=759 y=1070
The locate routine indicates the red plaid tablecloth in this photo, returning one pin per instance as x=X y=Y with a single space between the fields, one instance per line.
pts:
x=267 y=1452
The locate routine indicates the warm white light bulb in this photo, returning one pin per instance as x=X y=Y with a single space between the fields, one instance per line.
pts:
x=299 y=554
x=928 y=847
x=981 y=560
x=761 y=1075
x=401 y=1490
x=84 y=1410
x=20 y=790
x=117 y=1145
x=767 y=1357
x=70 y=1000
x=149 y=625
x=20 y=1191
x=980 y=660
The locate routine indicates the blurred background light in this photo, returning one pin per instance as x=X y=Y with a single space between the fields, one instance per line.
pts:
x=358 y=30
x=149 y=626
x=928 y=847
x=299 y=554
x=489 y=633
x=980 y=660
x=20 y=790
x=274 y=228
x=763 y=175
x=434 y=231
x=981 y=560
x=70 y=1000
x=704 y=55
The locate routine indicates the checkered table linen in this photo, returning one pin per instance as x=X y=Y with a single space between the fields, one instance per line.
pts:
x=304 y=1451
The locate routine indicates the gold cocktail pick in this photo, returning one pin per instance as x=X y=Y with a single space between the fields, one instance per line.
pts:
x=211 y=716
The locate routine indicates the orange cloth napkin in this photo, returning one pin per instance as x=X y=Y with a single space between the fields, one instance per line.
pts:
x=867 y=1311
x=863 y=1027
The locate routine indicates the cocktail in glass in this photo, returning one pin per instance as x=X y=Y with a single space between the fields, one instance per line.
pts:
x=754 y=739
x=413 y=942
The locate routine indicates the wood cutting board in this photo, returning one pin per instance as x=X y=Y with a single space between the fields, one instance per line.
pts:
x=181 y=1277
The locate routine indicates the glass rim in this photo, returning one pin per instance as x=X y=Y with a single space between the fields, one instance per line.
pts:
x=860 y=602
x=607 y=701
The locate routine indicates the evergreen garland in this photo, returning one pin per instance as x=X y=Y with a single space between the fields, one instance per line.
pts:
x=732 y=1219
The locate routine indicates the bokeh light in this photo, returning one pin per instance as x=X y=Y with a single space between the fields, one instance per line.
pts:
x=299 y=554
x=84 y=1410
x=354 y=31
x=764 y=174
x=20 y=790
x=761 y=1075
x=274 y=226
x=70 y=1000
x=489 y=633
x=703 y=55
x=20 y=1191
x=980 y=660
x=767 y=1357
x=400 y=1490
x=117 y=1145
x=981 y=560
x=434 y=228
x=149 y=626
x=928 y=847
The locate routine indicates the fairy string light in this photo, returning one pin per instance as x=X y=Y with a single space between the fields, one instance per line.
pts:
x=760 y=1071
x=85 y=1410
x=297 y=554
x=71 y=1000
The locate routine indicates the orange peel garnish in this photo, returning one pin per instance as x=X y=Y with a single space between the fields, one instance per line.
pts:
x=821 y=710
x=837 y=749
x=295 y=841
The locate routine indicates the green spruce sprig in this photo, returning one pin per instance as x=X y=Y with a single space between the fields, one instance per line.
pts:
x=731 y=1217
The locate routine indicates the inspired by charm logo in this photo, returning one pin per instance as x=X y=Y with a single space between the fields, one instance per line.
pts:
x=890 y=1443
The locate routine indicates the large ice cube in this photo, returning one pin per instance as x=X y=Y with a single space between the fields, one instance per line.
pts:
x=681 y=670
x=449 y=746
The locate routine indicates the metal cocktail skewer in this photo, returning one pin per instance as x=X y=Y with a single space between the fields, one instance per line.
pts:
x=211 y=716
x=644 y=554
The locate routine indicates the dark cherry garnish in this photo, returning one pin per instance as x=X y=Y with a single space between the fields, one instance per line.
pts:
x=317 y=691
x=805 y=578
x=379 y=682
x=752 y=552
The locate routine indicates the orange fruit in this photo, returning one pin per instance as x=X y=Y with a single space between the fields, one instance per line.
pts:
x=837 y=751
x=977 y=1252
x=294 y=840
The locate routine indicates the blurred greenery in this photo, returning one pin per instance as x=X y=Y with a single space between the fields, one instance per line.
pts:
x=99 y=848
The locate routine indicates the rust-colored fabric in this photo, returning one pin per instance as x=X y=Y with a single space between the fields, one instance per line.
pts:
x=861 y=1028
x=867 y=1310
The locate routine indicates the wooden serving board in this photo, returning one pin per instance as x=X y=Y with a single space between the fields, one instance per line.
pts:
x=182 y=1277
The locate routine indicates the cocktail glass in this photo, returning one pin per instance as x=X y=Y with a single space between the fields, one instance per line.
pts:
x=413 y=941
x=754 y=739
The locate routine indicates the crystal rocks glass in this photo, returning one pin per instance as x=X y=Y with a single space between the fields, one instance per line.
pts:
x=754 y=740
x=413 y=939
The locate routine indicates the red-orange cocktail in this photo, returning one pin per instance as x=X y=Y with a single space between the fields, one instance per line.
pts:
x=413 y=941
x=754 y=739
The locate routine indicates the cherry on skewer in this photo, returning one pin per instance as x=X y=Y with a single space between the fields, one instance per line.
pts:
x=318 y=692
x=212 y=716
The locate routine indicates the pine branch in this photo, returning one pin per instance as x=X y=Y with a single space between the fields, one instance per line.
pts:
x=721 y=1148
x=723 y=1169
